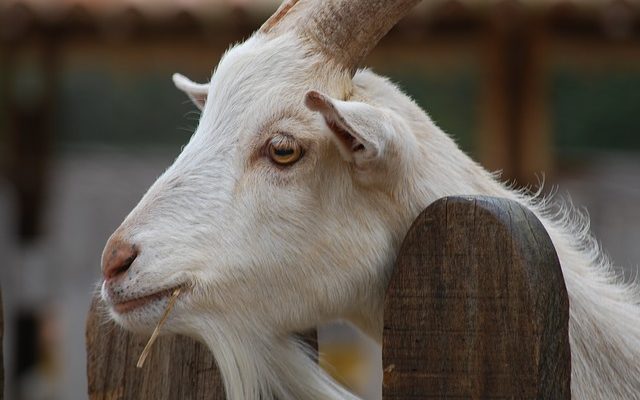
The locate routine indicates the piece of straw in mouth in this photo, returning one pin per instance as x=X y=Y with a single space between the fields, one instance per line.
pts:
x=154 y=335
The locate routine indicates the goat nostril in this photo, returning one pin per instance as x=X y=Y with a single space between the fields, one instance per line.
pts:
x=127 y=263
x=119 y=258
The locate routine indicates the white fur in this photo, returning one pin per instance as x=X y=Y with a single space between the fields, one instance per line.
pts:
x=197 y=92
x=266 y=251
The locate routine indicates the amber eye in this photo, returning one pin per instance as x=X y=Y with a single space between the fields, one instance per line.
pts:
x=284 y=150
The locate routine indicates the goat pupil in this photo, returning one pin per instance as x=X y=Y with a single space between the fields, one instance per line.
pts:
x=283 y=152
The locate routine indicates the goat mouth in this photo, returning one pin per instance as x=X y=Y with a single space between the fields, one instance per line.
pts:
x=124 y=307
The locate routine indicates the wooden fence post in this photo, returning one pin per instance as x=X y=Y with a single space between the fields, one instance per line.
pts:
x=477 y=307
x=177 y=368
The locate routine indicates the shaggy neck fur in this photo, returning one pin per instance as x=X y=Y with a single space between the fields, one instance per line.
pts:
x=604 y=326
x=255 y=365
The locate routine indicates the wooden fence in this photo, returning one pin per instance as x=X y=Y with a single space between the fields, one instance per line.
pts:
x=477 y=308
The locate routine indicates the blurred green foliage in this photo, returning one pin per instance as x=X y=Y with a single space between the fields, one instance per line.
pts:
x=100 y=107
x=449 y=97
x=596 y=110
x=126 y=110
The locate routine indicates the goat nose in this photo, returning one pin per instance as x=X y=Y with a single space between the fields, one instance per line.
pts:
x=117 y=258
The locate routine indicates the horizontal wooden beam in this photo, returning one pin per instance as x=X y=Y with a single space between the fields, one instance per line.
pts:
x=448 y=18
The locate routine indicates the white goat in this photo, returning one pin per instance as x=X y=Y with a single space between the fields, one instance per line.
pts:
x=288 y=205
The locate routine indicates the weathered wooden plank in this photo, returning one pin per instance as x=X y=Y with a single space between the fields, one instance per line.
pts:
x=177 y=367
x=477 y=307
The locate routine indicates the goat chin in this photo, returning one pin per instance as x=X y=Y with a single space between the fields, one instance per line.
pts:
x=258 y=366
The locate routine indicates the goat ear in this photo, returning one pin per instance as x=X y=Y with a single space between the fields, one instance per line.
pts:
x=361 y=130
x=197 y=92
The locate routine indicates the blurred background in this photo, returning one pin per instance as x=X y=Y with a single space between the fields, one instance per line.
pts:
x=89 y=118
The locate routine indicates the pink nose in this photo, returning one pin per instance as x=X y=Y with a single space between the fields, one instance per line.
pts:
x=117 y=257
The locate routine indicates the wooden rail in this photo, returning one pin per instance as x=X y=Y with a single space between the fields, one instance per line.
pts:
x=476 y=308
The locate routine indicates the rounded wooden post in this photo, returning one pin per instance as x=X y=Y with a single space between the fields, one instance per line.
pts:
x=477 y=307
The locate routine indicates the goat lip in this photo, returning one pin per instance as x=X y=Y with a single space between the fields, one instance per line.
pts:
x=123 y=307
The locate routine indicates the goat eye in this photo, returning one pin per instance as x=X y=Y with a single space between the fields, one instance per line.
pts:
x=284 y=151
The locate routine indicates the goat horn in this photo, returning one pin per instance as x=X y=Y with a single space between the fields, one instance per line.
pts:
x=277 y=18
x=344 y=30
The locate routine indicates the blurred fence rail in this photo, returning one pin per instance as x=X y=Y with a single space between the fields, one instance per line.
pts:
x=21 y=17
x=476 y=308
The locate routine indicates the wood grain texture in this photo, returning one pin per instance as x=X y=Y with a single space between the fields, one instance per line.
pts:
x=177 y=367
x=477 y=307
